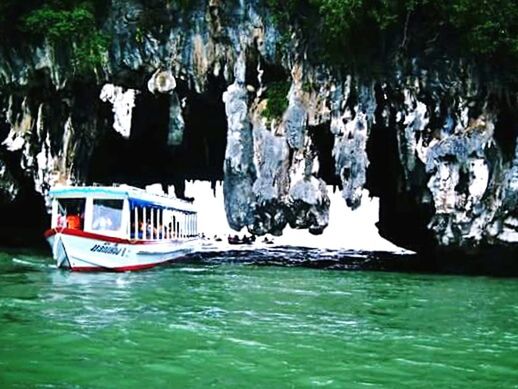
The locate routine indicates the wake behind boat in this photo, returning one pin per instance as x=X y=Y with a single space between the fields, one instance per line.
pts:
x=118 y=228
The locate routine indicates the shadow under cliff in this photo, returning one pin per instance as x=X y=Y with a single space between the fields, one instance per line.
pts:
x=147 y=158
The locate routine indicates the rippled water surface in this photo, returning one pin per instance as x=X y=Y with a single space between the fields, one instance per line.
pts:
x=204 y=324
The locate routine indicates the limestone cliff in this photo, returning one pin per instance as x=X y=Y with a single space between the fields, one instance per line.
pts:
x=186 y=96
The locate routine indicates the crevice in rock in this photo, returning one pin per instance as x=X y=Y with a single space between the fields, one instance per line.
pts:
x=506 y=132
x=463 y=184
x=323 y=141
x=273 y=73
x=402 y=220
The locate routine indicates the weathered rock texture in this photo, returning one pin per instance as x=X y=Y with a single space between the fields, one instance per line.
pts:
x=455 y=162
x=435 y=142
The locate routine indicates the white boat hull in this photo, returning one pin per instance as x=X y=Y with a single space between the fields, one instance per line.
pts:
x=90 y=252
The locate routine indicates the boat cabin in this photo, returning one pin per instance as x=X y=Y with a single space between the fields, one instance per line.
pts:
x=123 y=212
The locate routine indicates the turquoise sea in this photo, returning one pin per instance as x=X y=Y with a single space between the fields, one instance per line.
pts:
x=241 y=325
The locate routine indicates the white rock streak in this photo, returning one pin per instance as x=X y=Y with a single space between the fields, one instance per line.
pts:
x=479 y=179
x=13 y=142
x=20 y=127
x=442 y=185
x=123 y=103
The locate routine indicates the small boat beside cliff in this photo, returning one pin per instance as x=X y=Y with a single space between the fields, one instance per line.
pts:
x=118 y=228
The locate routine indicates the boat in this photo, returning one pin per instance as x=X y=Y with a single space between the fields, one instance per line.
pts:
x=240 y=241
x=118 y=228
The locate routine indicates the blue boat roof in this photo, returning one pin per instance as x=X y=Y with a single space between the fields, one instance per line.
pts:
x=136 y=196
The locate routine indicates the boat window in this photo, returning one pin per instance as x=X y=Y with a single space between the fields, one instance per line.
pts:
x=150 y=223
x=71 y=213
x=168 y=223
x=107 y=214
x=137 y=223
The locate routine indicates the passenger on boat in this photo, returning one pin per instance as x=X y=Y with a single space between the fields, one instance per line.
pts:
x=267 y=241
x=158 y=231
x=140 y=230
x=170 y=230
x=150 y=230
x=62 y=221
x=102 y=223
x=74 y=222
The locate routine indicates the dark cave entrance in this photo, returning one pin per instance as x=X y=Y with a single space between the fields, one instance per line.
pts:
x=146 y=158
x=323 y=143
x=402 y=220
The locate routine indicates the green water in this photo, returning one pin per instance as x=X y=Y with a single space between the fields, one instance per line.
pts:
x=249 y=326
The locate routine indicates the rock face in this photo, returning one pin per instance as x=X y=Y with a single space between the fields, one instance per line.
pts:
x=434 y=142
x=458 y=153
x=270 y=178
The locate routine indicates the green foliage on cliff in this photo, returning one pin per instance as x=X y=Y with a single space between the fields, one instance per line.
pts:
x=73 y=25
x=348 y=29
x=486 y=27
x=277 y=100
x=70 y=25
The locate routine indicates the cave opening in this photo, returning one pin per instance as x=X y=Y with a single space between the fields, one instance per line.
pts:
x=401 y=220
x=323 y=142
x=24 y=217
x=147 y=158
x=23 y=208
x=506 y=132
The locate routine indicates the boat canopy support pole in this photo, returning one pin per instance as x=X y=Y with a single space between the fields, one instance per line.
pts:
x=161 y=212
x=151 y=235
x=144 y=232
x=136 y=223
